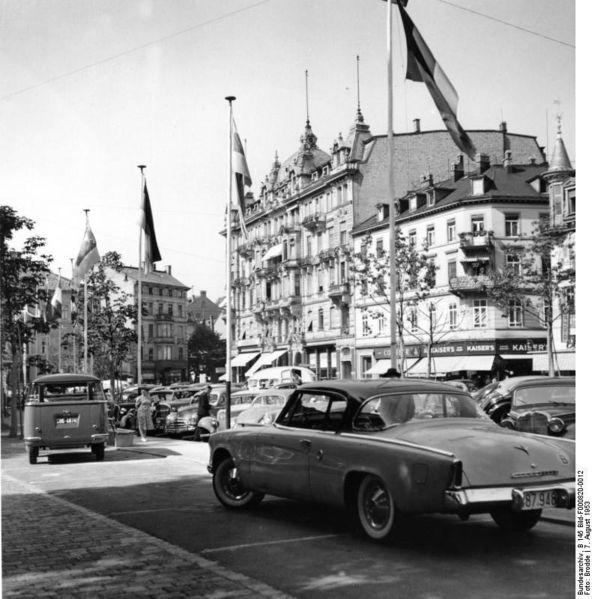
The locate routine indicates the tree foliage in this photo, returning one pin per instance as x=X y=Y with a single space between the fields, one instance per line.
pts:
x=206 y=351
x=23 y=273
x=111 y=318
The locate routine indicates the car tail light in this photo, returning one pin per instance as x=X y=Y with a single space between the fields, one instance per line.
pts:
x=456 y=472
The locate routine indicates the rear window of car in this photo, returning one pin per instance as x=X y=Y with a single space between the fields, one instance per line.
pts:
x=394 y=409
x=71 y=392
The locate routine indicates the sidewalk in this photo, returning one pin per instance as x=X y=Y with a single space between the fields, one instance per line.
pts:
x=54 y=548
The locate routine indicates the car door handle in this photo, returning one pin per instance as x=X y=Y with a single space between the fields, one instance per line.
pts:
x=305 y=443
x=319 y=455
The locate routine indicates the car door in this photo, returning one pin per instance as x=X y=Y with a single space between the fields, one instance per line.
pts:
x=285 y=452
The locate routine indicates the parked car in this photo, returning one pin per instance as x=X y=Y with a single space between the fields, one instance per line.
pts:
x=264 y=408
x=269 y=377
x=240 y=401
x=65 y=411
x=480 y=394
x=535 y=404
x=386 y=448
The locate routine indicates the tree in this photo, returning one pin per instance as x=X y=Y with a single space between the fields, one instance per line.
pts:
x=23 y=273
x=531 y=284
x=110 y=312
x=206 y=350
x=416 y=276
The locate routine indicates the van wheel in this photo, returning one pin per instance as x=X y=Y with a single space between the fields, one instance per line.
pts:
x=229 y=488
x=33 y=455
x=99 y=450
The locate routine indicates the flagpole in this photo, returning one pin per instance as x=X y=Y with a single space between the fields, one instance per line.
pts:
x=230 y=100
x=391 y=188
x=85 y=333
x=141 y=167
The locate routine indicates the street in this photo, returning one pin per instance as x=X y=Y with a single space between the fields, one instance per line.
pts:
x=162 y=488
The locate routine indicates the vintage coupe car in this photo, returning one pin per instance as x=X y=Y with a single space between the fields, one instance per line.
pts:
x=386 y=448
x=535 y=404
x=264 y=408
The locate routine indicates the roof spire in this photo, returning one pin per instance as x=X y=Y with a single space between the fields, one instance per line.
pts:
x=306 y=87
x=359 y=117
x=559 y=159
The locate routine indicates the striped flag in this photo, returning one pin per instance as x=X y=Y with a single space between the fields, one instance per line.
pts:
x=88 y=255
x=151 y=251
x=423 y=67
x=241 y=173
x=56 y=300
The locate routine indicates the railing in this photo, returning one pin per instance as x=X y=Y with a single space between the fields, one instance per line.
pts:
x=315 y=221
x=478 y=284
x=478 y=239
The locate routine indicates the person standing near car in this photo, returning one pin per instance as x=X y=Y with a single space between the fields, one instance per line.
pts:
x=203 y=409
x=144 y=414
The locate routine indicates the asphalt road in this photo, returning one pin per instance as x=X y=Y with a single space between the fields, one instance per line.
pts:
x=163 y=488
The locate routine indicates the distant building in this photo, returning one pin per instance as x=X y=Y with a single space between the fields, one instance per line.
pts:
x=201 y=310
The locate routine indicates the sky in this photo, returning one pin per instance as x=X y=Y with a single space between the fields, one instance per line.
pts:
x=89 y=90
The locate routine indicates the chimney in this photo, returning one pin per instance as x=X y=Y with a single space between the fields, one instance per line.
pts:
x=503 y=127
x=417 y=125
x=168 y=269
x=482 y=163
x=508 y=161
x=458 y=168
x=203 y=293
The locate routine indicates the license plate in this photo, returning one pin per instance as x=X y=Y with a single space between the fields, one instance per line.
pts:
x=66 y=421
x=537 y=500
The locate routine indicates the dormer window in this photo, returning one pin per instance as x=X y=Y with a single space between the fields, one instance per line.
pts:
x=431 y=197
x=478 y=186
x=413 y=204
x=383 y=212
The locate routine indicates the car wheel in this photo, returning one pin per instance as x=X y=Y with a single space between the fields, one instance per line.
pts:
x=229 y=489
x=510 y=520
x=33 y=455
x=376 y=508
x=99 y=450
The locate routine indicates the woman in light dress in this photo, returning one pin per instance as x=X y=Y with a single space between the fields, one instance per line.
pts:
x=144 y=414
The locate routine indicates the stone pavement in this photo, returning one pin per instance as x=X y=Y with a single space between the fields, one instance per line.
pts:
x=54 y=548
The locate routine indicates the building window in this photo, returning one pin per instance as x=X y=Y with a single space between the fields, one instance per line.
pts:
x=477 y=224
x=513 y=264
x=309 y=245
x=321 y=319
x=150 y=331
x=366 y=331
x=515 y=314
x=451 y=230
x=452 y=316
x=150 y=353
x=179 y=310
x=512 y=225
x=478 y=186
x=431 y=235
x=160 y=291
x=451 y=270
x=366 y=365
x=480 y=313
x=170 y=309
x=569 y=202
x=379 y=247
x=160 y=307
x=164 y=352
x=380 y=322
x=431 y=197
x=412 y=238
x=412 y=318
x=181 y=357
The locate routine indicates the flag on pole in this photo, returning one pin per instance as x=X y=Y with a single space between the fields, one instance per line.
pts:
x=56 y=301
x=88 y=255
x=151 y=251
x=422 y=66
x=241 y=173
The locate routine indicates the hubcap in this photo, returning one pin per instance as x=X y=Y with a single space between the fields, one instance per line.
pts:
x=233 y=486
x=377 y=508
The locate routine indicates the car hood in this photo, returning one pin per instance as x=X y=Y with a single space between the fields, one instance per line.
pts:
x=492 y=455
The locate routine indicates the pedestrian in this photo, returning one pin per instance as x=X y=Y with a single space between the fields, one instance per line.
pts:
x=203 y=409
x=144 y=414
x=296 y=378
x=391 y=373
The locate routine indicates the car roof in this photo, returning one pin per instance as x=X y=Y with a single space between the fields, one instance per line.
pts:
x=516 y=381
x=368 y=387
x=65 y=378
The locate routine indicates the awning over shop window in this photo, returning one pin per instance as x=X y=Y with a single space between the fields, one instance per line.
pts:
x=273 y=252
x=243 y=359
x=380 y=367
x=565 y=361
x=446 y=364
x=515 y=357
x=265 y=360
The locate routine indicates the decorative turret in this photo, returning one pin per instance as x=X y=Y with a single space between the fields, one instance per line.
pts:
x=559 y=164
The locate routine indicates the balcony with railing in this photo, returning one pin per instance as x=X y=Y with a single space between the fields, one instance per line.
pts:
x=339 y=292
x=315 y=222
x=326 y=255
x=475 y=285
x=476 y=240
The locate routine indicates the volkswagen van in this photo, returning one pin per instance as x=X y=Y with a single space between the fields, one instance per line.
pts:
x=65 y=411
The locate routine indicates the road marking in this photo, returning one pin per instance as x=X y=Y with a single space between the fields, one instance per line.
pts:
x=264 y=543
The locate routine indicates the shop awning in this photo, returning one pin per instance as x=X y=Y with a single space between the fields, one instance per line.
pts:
x=273 y=252
x=243 y=359
x=565 y=361
x=445 y=364
x=265 y=360
x=380 y=367
x=515 y=357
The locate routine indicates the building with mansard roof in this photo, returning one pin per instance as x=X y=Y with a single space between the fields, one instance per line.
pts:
x=291 y=292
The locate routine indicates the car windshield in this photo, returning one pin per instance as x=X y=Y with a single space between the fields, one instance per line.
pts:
x=544 y=394
x=392 y=410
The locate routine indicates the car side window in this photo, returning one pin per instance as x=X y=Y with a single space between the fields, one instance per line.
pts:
x=318 y=411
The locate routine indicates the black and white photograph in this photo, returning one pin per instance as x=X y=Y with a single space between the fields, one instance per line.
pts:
x=288 y=299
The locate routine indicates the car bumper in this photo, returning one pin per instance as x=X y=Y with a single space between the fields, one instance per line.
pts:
x=474 y=499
